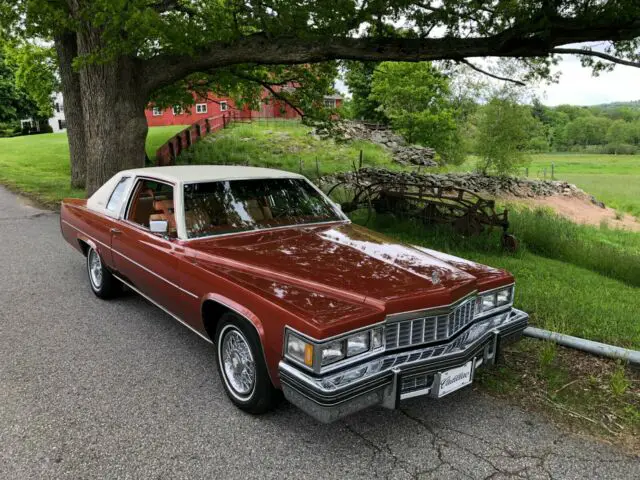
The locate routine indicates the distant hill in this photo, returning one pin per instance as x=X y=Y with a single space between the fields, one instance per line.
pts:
x=631 y=104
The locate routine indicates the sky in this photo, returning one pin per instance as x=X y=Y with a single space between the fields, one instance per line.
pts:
x=577 y=86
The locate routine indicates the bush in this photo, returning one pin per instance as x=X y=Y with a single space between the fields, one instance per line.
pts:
x=609 y=149
x=9 y=129
x=619 y=149
x=538 y=145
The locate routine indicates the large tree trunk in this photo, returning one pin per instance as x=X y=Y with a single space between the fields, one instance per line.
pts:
x=67 y=49
x=113 y=104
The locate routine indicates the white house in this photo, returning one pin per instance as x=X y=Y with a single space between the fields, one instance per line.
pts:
x=57 y=122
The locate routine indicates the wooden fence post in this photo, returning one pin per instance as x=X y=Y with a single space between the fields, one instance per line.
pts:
x=172 y=153
x=553 y=171
x=360 y=163
x=317 y=167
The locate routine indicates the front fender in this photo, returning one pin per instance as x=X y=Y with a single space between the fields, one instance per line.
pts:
x=271 y=355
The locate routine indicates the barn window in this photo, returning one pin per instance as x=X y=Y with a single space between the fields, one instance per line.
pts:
x=157 y=111
x=224 y=106
x=201 y=108
x=177 y=110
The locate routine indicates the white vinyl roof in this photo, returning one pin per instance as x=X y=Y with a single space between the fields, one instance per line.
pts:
x=178 y=176
x=207 y=173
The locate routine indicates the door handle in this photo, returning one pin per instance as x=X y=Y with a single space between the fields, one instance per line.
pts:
x=115 y=231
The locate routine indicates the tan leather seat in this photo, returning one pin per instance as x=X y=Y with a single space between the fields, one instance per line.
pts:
x=143 y=208
x=165 y=208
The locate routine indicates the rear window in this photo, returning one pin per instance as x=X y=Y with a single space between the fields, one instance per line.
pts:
x=215 y=208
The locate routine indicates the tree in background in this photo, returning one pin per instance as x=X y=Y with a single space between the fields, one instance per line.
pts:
x=503 y=131
x=619 y=135
x=358 y=77
x=15 y=102
x=36 y=74
x=588 y=129
x=416 y=99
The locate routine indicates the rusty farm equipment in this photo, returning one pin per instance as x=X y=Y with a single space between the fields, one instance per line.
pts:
x=466 y=211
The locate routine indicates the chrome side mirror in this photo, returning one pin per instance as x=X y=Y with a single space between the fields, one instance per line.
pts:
x=159 y=226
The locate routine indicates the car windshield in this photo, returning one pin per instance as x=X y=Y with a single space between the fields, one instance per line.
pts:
x=215 y=208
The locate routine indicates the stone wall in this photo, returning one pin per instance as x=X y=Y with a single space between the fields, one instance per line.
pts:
x=344 y=131
x=475 y=182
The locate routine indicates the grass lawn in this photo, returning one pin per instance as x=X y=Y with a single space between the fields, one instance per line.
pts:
x=39 y=164
x=285 y=145
x=613 y=179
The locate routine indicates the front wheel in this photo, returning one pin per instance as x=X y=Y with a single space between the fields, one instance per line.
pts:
x=102 y=282
x=242 y=367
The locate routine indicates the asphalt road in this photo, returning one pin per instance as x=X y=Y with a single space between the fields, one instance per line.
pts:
x=118 y=389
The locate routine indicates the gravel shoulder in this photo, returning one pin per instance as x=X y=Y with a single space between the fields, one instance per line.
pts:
x=94 y=389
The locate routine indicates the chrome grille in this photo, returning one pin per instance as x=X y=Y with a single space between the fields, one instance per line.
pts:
x=429 y=329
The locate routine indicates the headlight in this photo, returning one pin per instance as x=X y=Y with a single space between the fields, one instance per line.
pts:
x=299 y=350
x=332 y=352
x=320 y=354
x=359 y=343
x=494 y=299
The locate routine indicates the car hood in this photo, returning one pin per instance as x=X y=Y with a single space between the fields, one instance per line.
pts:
x=345 y=262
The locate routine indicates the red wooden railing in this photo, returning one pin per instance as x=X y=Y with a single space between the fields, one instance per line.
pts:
x=167 y=153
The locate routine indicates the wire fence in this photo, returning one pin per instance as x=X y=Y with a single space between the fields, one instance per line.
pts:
x=541 y=172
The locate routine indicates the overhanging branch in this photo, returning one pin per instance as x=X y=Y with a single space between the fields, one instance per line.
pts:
x=595 y=53
x=270 y=88
x=489 y=74
x=521 y=40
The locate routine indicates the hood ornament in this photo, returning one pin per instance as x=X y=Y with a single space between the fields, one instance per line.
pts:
x=435 y=277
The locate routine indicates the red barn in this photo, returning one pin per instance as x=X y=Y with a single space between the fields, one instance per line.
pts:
x=211 y=107
x=214 y=106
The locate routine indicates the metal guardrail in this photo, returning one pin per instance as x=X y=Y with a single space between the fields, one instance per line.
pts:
x=589 y=346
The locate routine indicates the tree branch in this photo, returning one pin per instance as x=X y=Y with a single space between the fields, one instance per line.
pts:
x=269 y=87
x=484 y=72
x=594 y=53
x=521 y=40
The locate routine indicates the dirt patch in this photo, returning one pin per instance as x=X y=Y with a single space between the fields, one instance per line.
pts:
x=583 y=211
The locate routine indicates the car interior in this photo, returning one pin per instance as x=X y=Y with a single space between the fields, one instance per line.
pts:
x=153 y=201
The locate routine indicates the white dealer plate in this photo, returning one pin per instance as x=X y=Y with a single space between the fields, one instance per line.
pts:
x=452 y=380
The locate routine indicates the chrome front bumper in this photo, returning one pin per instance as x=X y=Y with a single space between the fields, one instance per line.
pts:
x=397 y=375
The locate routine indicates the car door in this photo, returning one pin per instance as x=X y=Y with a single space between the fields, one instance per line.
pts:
x=146 y=260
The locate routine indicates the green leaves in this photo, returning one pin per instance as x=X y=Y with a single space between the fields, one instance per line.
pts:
x=503 y=132
x=416 y=98
x=35 y=75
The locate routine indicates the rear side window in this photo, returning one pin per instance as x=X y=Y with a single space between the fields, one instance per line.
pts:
x=117 y=196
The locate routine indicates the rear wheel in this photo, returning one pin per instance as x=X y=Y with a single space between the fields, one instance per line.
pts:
x=242 y=367
x=102 y=282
